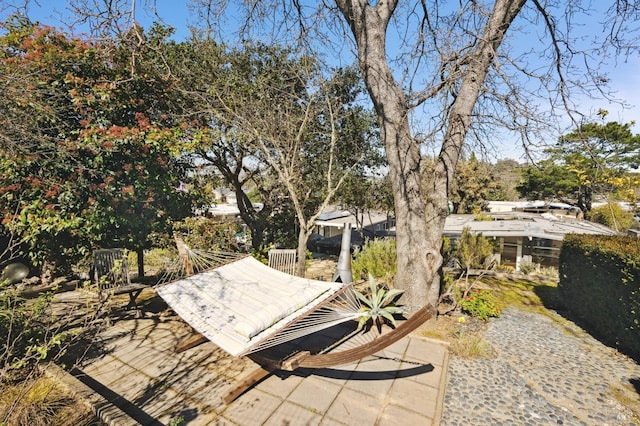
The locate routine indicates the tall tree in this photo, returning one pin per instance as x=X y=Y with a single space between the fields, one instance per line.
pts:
x=592 y=160
x=421 y=202
x=475 y=185
x=507 y=172
x=597 y=154
x=266 y=111
x=202 y=67
x=549 y=181
x=458 y=56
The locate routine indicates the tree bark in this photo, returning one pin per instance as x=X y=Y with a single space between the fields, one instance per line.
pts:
x=301 y=265
x=421 y=196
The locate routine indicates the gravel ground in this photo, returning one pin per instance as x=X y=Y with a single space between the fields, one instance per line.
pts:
x=545 y=372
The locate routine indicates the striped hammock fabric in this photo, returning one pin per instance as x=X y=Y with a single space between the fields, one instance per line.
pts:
x=242 y=304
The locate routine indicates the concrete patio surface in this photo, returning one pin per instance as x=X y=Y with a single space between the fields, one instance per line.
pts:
x=132 y=375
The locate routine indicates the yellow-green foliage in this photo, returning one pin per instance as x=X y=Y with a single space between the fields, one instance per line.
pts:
x=41 y=401
x=535 y=296
x=262 y=253
x=613 y=216
x=24 y=327
x=600 y=284
x=156 y=259
x=483 y=217
x=447 y=250
x=378 y=258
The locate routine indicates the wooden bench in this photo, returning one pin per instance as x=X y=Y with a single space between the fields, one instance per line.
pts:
x=110 y=273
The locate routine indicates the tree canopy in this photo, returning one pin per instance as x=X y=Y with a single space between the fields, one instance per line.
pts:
x=549 y=181
x=266 y=115
x=592 y=160
x=475 y=185
x=106 y=144
x=439 y=75
x=87 y=156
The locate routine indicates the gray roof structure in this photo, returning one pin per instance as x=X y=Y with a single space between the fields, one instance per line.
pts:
x=521 y=224
x=337 y=218
x=502 y=224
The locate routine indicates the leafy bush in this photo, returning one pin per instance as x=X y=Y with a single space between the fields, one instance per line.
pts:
x=208 y=234
x=378 y=258
x=600 y=285
x=155 y=260
x=23 y=331
x=262 y=253
x=527 y=267
x=480 y=304
x=30 y=335
x=550 y=272
x=505 y=268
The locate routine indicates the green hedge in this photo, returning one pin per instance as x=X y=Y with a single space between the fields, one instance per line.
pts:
x=600 y=285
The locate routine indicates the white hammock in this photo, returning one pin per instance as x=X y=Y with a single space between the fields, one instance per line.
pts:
x=245 y=306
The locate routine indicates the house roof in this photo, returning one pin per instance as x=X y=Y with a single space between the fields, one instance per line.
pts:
x=532 y=207
x=521 y=224
x=338 y=218
x=503 y=224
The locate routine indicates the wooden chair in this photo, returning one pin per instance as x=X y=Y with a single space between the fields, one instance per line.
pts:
x=110 y=273
x=283 y=260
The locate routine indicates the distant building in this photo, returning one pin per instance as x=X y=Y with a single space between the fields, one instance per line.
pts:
x=525 y=236
x=332 y=220
x=520 y=235
x=534 y=207
x=226 y=206
x=328 y=229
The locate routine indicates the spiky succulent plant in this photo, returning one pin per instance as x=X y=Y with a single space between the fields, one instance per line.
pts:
x=378 y=306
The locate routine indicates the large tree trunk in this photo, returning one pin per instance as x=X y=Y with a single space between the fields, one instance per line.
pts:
x=420 y=196
x=255 y=220
x=418 y=256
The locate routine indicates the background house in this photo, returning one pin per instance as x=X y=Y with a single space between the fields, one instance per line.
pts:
x=327 y=236
x=523 y=232
x=332 y=220
x=225 y=206
x=523 y=236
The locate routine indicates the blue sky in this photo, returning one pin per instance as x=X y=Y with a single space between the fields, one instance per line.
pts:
x=624 y=76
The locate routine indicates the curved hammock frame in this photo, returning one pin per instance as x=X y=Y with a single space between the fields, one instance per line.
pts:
x=245 y=307
x=348 y=356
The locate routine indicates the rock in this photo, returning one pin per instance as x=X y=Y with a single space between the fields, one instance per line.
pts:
x=14 y=273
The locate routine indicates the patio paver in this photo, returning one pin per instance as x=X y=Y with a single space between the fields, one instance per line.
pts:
x=138 y=378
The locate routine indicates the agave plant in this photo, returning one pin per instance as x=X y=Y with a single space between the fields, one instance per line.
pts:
x=379 y=306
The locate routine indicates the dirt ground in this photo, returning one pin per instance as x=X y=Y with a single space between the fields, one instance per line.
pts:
x=322 y=268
